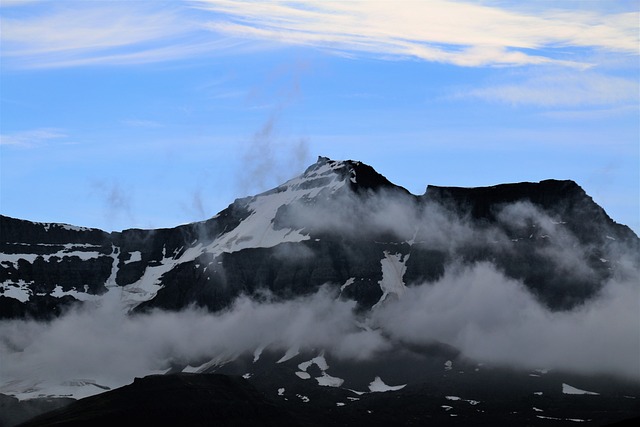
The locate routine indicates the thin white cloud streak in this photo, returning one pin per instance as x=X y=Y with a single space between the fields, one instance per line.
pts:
x=593 y=114
x=442 y=31
x=142 y=123
x=31 y=138
x=114 y=34
x=560 y=89
x=81 y=29
x=45 y=35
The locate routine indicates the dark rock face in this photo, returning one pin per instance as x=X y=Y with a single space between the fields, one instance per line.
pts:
x=332 y=225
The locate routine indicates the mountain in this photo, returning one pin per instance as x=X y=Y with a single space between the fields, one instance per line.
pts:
x=336 y=295
x=340 y=222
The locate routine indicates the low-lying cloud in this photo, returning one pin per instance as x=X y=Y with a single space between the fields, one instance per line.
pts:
x=494 y=319
x=487 y=316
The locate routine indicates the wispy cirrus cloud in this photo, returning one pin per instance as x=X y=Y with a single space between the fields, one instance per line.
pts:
x=557 y=88
x=31 y=138
x=463 y=34
x=70 y=34
x=140 y=123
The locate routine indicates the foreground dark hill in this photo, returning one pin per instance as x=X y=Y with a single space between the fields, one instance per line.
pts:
x=173 y=400
x=220 y=400
x=340 y=223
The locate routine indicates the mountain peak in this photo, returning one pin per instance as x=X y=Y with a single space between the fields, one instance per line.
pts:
x=360 y=176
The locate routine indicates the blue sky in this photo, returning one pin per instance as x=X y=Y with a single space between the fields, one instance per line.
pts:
x=153 y=114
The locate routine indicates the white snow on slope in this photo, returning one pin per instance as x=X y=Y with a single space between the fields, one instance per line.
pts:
x=327 y=380
x=48 y=225
x=135 y=256
x=567 y=389
x=320 y=361
x=393 y=269
x=257 y=231
x=30 y=258
x=218 y=361
x=471 y=402
x=18 y=290
x=257 y=353
x=577 y=420
x=347 y=283
x=323 y=380
x=58 y=292
x=377 y=385
x=291 y=353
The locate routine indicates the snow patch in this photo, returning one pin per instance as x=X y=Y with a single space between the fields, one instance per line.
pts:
x=567 y=389
x=329 y=381
x=347 y=283
x=134 y=256
x=471 y=402
x=320 y=361
x=291 y=353
x=577 y=420
x=257 y=353
x=17 y=290
x=324 y=380
x=377 y=385
x=205 y=366
x=393 y=269
x=80 y=296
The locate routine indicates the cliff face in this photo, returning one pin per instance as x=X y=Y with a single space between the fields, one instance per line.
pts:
x=564 y=200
